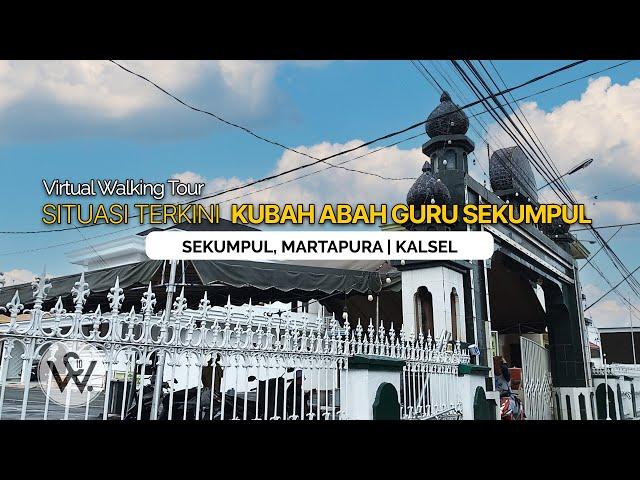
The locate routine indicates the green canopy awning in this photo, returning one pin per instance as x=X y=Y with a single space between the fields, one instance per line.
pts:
x=132 y=275
x=282 y=277
x=286 y=277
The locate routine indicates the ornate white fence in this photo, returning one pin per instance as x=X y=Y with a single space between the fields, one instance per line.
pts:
x=620 y=369
x=216 y=362
x=431 y=388
x=536 y=380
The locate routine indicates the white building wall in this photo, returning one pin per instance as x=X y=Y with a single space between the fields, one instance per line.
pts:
x=573 y=393
x=362 y=387
x=636 y=391
x=439 y=281
x=625 y=390
x=467 y=385
x=612 y=383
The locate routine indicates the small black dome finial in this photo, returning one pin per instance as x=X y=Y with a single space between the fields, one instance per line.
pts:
x=427 y=189
x=446 y=119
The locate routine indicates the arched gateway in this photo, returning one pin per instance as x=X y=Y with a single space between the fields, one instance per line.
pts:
x=524 y=298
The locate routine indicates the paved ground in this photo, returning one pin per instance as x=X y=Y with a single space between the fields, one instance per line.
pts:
x=12 y=406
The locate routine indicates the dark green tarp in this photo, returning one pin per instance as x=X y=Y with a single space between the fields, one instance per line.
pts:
x=132 y=275
x=259 y=275
x=286 y=277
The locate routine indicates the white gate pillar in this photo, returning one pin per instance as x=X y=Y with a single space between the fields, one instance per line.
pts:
x=365 y=375
x=439 y=278
x=470 y=378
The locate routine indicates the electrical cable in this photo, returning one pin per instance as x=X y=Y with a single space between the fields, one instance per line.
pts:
x=321 y=160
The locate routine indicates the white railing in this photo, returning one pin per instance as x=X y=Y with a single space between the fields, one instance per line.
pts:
x=431 y=390
x=537 y=384
x=618 y=369
x=216 y=362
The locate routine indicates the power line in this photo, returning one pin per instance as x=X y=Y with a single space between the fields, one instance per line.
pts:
x=72 y=242
x=544 y=164
x=248 y=193
x=91 y=247
x=606 y=226
x=475 y=117
x=590 y=259
x=575 y=80
x=498 y=119
x=63 y=244
x=322 y=170
x=279 y=144
x=483 y=126
x=548 y=163
x=242 y=127
x=564 y=188
x=517 y=106
x=323 y=160
x=591 y=262
x=488 y=110
x=613 y=288
x=436 y=85
x=421 y=72
x=617 y=189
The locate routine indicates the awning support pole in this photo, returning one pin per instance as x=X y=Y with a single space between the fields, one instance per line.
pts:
x=157 y=389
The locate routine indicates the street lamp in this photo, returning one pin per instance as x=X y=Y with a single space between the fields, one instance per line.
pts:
x=580 y=166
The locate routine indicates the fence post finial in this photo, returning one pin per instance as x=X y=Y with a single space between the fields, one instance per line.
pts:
x=40 y=287
x=115 y=297
x=180 y=303
x=204 y=305
x=392 y=341
x=148 y=301
x=14 y=307
x=80 y=292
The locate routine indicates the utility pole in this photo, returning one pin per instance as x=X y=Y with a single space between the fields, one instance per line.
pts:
x=633 y=343
x=606 y=385
x=160 y=359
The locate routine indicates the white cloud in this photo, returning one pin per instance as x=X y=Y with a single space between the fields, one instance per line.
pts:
x=333 y=185
x=56 y=99
x=604 y=124
x=608 y=211
x=17 y=276
x=611 y=311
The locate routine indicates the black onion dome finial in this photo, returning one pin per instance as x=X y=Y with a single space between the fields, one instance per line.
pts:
x=427 y=190
x=446 y=119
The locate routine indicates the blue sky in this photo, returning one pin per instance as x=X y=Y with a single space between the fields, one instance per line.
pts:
x=82 y=120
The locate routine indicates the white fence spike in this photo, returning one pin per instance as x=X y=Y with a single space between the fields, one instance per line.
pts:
x=40 y=286
x=80 y=292
x=180 y=303
x=148 y=301
x=115 y=297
